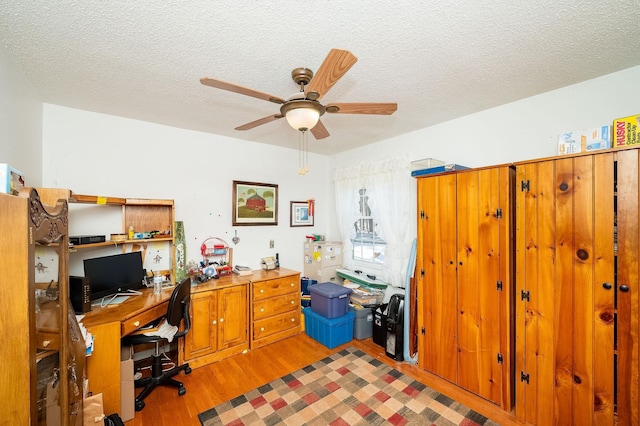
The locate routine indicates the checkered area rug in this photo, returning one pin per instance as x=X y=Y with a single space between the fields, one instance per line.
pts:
x=346 y=388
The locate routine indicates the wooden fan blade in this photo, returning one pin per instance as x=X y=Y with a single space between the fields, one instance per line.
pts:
x=264 y=120
x=334 y=66
x=219 y=84
x=363 y=108
x=319 y=131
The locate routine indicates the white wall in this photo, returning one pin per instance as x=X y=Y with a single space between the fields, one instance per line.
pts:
x=522 y=130
x=20 y=121
x=112 y=156
x=107 y=155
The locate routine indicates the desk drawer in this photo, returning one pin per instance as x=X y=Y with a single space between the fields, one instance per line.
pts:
x=276 y=324
x=145 y=317
x=276 y=305
x=48 y=341
x=276 y=287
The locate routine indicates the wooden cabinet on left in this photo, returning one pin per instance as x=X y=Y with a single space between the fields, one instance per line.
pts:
x=219 y=321
x=42 y=376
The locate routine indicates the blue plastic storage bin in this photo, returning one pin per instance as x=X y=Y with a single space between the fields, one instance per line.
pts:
x=330 y=332
x=329 y=300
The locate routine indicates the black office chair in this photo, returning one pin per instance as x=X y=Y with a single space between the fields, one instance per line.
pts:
x=177 y=311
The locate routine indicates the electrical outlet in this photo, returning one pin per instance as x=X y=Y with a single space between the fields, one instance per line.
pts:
x=272 y=244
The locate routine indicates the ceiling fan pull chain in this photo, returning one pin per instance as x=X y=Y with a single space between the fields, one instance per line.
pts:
x=300 y=152
x=306 y=153
x=303 y=153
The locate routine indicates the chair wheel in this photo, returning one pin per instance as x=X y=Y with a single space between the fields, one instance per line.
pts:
x=182 y=391
x=187 y=370
x=139 y=405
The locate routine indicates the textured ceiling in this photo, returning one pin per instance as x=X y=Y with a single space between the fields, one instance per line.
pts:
x=438 y=60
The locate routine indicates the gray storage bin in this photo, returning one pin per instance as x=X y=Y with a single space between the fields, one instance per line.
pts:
x=363 y=323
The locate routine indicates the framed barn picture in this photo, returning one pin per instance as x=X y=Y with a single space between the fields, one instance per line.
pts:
x=254 y=203
x=301 y=215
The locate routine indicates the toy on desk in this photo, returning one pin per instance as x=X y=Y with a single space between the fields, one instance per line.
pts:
x=211 y=272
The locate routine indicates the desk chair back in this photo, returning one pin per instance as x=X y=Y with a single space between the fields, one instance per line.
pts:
x=179 y=306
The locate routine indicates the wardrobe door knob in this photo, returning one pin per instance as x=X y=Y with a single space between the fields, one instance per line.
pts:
x=607 y=286
x=624 y=288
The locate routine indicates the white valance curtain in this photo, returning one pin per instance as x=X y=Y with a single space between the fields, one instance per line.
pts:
x=389 y=188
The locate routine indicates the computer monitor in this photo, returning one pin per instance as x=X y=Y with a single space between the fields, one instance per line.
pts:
x=109 y=275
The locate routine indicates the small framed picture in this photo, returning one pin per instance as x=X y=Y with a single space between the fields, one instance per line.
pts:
x=254 y=203
x=300 y=214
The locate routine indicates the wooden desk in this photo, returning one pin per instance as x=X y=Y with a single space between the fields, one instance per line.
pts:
x=107 y=325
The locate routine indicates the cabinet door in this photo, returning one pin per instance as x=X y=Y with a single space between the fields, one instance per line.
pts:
x=436 y=256
x=202 y=337
x=232 y=316
x=564 y=320
x=628 y=367
x=464 y=289
x=480 y=313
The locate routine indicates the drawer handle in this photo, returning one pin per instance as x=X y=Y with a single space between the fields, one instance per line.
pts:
x=261 y=328
x=46 y=343
x=262 y=290
x=293 y=302
x=214 y=322
x=292 y=284
x=262 y=310
x=293 y=320
x=221 y=319
x=136 y=324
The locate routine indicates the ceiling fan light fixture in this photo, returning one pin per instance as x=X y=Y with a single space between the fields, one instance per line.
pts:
x=302 y=114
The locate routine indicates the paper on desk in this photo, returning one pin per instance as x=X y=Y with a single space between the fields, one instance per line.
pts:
x=88 y=338
x=164 y=330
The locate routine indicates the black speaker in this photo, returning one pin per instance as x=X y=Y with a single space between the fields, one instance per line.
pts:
x=80 y=294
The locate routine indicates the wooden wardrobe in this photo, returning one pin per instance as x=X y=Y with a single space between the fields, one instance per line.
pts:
x=463 y=278
x=577 y=275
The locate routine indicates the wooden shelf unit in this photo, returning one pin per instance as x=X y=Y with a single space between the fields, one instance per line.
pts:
x=41 y=381
x=143 y=214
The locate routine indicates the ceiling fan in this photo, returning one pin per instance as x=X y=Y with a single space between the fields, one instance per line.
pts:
x=303 y=109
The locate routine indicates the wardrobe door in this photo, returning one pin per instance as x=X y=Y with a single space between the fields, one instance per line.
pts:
x=627 y=287
x=534 y=275
x=437 y=283
x=564 y=313
x=478 y=259
x=575 y=259
x=604 y=290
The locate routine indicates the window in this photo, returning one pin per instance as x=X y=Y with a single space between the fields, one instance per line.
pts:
x=368 y=243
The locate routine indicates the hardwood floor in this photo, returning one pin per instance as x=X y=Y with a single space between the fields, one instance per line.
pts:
x=218 y=382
